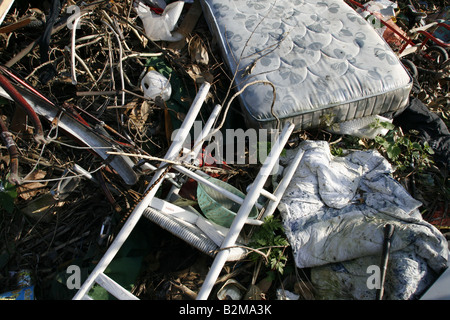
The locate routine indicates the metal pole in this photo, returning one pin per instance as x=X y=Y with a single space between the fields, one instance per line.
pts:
x=388 y=232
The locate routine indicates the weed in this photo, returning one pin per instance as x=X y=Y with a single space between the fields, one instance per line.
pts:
x=271 y=241
x=402 y=151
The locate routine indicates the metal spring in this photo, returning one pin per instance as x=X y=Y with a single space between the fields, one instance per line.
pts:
x=144 y=195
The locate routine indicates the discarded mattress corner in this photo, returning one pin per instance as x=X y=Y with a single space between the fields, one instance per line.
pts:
x=326 y=62
x=334 y=211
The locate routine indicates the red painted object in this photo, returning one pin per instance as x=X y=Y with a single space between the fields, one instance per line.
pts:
x=408 y=41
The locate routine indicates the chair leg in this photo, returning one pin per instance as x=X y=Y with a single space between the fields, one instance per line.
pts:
x=133 y=219
x=243 y=212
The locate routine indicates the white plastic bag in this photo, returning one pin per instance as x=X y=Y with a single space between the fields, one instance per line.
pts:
x=375 y=11
x=159 y=27
x=155 y=84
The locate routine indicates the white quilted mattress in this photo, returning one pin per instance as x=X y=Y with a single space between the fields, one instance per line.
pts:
x=326 y=62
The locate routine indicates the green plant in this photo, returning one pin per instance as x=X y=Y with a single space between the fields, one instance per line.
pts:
x=346 y=143
x=8 y=194
x=405 y=153
x=327 y=119
x=270 y=242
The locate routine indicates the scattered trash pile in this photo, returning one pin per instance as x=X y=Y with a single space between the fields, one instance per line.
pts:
x=95 y=97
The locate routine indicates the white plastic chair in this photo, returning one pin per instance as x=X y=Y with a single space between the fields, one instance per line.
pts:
x=197 y=231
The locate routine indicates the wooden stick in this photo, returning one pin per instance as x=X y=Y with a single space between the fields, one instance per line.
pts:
x=16 y=25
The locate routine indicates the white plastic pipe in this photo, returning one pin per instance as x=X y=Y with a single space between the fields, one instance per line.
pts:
x=141 y=206
x=287 y=177
x=205 y=132
x=264 y=193
x=4 y=8
x=193 y=153
x=242 y=215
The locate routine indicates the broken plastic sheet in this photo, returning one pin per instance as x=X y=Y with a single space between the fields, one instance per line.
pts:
x=334 y=211
x=365 y=127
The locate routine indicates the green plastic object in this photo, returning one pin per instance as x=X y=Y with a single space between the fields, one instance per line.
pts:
x=216 y=206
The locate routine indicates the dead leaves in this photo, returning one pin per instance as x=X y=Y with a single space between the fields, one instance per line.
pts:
x=199 y=56
x=139 y=114
x=198 y=75
x=197 y=50
x=29 y=190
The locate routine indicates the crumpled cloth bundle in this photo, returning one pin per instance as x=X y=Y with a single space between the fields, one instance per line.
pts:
x=334 y=211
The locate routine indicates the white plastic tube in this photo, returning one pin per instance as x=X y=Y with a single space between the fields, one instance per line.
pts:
x=206 y=130
x=287 y=177
x=243 y=213
x=138 y=211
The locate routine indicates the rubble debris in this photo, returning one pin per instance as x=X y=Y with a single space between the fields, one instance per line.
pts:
x=35 y=103
x=18 y=98
x=25 y=287
x=231 y=290
x=8 y=141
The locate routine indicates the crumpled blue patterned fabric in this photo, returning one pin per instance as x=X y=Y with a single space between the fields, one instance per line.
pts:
x=334 y=211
